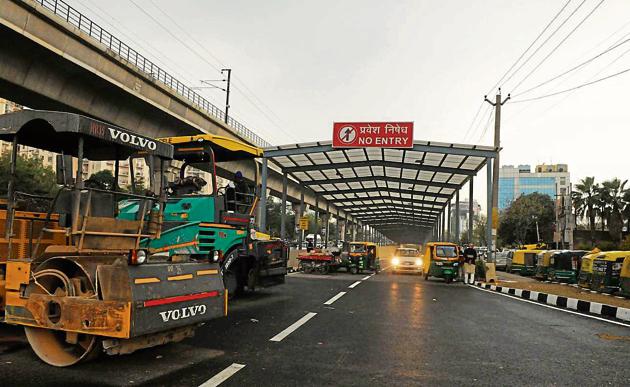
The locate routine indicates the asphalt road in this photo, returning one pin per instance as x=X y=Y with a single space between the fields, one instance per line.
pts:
x=386 y=330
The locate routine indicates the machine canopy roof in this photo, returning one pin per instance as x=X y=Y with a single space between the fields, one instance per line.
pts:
x=59 y=132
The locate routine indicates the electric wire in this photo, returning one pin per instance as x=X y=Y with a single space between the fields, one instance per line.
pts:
x=168 y=31
x=236 y=79
x=574 y=88
x=473 y=121
x=573 y=68
x=476 y=116
x=485 y=130
x=558 y=45
x=545 y=41
x=530 y=46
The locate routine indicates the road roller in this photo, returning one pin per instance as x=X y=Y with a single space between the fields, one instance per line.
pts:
x=73 y=272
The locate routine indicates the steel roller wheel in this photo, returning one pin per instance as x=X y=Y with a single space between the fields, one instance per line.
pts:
x=60 y=348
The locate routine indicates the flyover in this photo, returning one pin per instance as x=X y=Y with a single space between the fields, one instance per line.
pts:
x=55 y=58
x=405 y=195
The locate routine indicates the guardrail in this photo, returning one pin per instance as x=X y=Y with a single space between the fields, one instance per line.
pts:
x=128 y=54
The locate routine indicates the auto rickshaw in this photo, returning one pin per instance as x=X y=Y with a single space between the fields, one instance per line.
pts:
x=360 y=256
x=564 y=266
x=624 y=278
x=542 y=264
x=586 y=269
x=524 y=261
x=441 y=259
x=607 y=271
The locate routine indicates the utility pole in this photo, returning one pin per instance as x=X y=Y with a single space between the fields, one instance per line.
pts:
x=227 y=92
x=497 y=165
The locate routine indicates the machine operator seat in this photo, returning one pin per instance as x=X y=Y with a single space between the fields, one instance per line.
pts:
x=186 y=186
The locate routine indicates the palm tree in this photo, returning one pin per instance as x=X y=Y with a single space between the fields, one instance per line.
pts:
x=586 y=201
x=613 y=205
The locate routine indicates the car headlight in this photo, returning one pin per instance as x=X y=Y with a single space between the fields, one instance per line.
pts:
x=395 y=261
x=418 y=262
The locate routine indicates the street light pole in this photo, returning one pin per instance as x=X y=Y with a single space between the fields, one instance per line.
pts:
x=227 y=92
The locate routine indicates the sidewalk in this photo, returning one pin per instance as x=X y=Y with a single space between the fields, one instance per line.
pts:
x=570 y=291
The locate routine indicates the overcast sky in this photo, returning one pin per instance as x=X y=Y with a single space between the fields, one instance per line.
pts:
x=301 y=65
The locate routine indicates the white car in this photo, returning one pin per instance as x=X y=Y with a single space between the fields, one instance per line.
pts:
x=407 y=260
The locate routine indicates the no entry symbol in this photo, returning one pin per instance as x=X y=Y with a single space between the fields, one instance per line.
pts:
x=347 y=134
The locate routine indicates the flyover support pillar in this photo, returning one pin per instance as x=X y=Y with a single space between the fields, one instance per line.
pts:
x=283 y=208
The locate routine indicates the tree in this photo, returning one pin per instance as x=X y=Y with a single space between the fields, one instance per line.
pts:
x=31 y=176
x=585 y=202
x=479 y=231
x=519 y=221
x=612 y=194
x=274 y=215
x=105 y=178
x=139 y=186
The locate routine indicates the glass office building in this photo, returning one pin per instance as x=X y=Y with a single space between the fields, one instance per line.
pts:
x=552 y=180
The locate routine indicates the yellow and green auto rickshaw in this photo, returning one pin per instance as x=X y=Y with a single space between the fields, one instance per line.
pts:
x=543 y=260
x=586 y=269
x=607 y=271
x=360 y=256
x=441 y=259
x=624 y=278
x=564 y=266
x=524 y=261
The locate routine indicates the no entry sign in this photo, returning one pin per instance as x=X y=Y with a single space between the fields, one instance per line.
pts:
x=373 y=135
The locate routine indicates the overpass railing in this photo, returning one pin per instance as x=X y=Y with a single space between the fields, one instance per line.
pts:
x=128 y=54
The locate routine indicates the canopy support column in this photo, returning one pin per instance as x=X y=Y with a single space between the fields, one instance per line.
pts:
x=327 y=224
x=448 y=222
x=471 y=189
x=263 y=197
x=316 y=235
x=283 y=208
x=489 y=209
x=301 y=236
x=457 y=217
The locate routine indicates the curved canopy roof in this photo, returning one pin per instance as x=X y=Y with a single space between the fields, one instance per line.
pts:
x=390 y=189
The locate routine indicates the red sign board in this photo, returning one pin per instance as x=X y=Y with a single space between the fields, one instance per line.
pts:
x=373 y=135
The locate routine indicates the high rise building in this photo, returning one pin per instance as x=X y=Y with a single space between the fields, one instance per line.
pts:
x=552 y=180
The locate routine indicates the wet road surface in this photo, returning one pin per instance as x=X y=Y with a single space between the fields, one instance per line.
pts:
x=384 y=330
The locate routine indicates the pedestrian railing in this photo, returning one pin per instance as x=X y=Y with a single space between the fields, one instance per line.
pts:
x=131 y=56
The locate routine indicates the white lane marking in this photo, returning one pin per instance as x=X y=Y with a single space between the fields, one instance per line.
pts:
x=334 y=298
x=293 y=327
x=354 y=284
x=387 y=268
x=223 y=375
x=367 y=277
x=551 y=307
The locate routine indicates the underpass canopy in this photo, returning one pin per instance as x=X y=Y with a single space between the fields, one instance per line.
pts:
x=389 y=189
